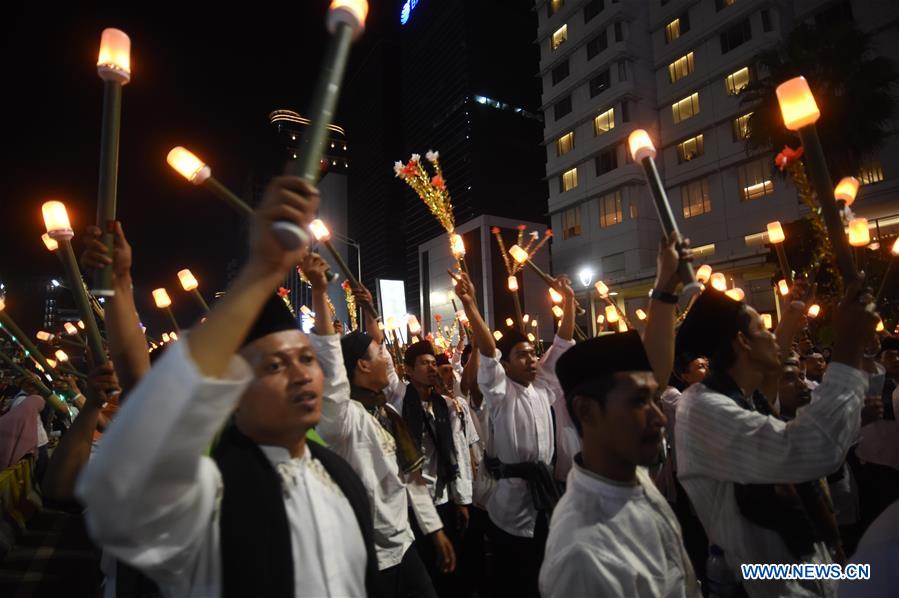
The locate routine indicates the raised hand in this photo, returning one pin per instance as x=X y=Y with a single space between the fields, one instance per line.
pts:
x=315 y=268
x=94 y=256
x=287 y=198
x=465 y=290
x=668 y=260
x=101 y=383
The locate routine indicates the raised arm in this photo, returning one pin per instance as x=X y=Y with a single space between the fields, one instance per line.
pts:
x=74 y=450
x=480 y=332
x=127 y=343
x=363 y=297
x=658 y=335
x=566 y=324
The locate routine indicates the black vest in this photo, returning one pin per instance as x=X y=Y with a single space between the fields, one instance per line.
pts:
x=257 y=559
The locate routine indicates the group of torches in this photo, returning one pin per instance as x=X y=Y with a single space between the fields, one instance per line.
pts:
x=345 y=22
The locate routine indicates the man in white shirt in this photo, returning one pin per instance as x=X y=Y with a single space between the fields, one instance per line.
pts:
x=437 y=426
x=270 y=514
x=359 y=424
x=740 y=467
x=613 y=533
x=519 y=392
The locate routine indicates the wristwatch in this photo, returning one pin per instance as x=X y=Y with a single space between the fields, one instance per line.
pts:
x=664 y=297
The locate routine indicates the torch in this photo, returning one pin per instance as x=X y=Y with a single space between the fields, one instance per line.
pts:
x=13 y=330
x=162 y=300
x=859 y=235
x=457 y=246
x=345 y=22
x=45 y=392
x=114 y=67
x=521 y=256
x=323 y=235
x=603 y=291
x=56 y=219
x=776 y=237
x=800 y=112
x=189 y=283
x=199 y=173
x=643 y=151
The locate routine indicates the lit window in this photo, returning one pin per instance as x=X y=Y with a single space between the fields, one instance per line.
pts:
x=633 y=209
x=605 y=122
x=686 y=108
x=754 y=179
x=741 y=127
x=569 y=180
x=870 y=173
x=672 y=30
x=560 y=36
x=565 y=144
x=677 y=28
x=610 y=209
x=571 y=222
x=680 y=68
x=554 y=5
x=737 y=82
x=689 y=149
x=695 y=198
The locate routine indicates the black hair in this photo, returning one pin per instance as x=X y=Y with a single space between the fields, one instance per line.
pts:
x=599 y=389
x=723 y=357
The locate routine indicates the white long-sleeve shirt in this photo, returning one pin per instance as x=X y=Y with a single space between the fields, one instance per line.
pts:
x=719 y=443
x=153 y=498
x=459 y=490
x=522 y=428
x=357 y=436
x=612 y=539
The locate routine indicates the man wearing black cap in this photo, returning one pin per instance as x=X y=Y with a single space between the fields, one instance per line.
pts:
x=437 y=428
x=269 y=514
x=519 y=391
x=613 y=533
x=359 y=424
x=741 y=467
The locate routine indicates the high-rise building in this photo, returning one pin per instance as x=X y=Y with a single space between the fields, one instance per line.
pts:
x=676 y=68
x=454 y=76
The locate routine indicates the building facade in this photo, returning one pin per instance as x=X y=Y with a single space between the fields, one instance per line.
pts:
x=677 y=68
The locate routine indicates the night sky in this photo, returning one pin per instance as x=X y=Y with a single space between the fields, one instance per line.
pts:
x=205 y=82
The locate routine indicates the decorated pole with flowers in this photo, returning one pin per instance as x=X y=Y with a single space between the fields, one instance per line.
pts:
x=351 y=307
x=432 y=190
x=800 y=113
x=513 y=267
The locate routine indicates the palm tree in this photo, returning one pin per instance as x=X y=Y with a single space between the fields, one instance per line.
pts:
x=852 y=86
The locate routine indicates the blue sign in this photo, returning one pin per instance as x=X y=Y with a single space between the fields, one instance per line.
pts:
x=406 y=11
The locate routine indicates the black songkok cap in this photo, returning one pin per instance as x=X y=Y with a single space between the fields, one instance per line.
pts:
x=274 y=317
x=594 y=359
x=416 y=349
x=712 y=319
x=354 y=347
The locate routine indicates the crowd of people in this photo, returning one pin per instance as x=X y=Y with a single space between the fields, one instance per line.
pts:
x=247 y=458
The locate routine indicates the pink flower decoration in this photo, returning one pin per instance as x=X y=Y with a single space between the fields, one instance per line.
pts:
x=437 y=181
x=282 y=292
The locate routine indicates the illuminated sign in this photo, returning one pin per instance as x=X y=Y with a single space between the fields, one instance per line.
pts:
x=406 y=11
